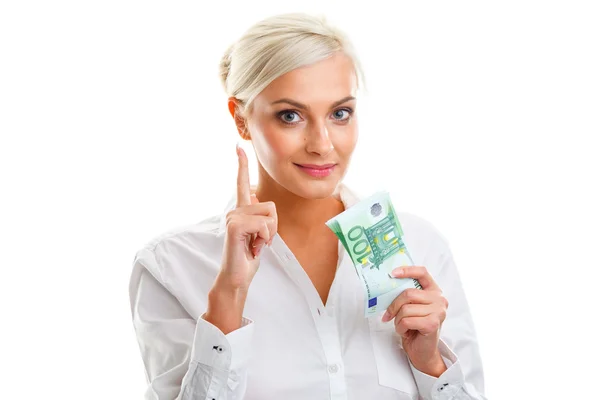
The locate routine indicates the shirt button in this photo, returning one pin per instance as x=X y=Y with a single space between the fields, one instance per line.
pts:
x=333 y=369
x=218 y=348
x=442 y=387
x=288 y=256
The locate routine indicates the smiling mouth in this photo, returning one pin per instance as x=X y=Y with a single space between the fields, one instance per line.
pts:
x=317 y=171
x=316 y=166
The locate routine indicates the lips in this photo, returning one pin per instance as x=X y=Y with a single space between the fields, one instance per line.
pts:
x=314 y=166
x=317 y=171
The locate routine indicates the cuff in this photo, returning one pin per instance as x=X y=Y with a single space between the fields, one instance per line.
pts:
x=229 y=352
x=448 y=384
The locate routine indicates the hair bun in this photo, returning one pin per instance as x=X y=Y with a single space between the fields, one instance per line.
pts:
x=225 y=65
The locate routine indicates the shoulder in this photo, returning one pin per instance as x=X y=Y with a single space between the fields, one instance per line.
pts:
x=422 y=233
x=183 y=262
x=180 y=245
x=414 y=226
x=421 y=225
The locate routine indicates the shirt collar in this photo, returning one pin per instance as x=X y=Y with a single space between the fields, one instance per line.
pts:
x=347 y=195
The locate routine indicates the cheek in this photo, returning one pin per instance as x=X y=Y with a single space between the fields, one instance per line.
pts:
x=345 y=141
x=276 y=145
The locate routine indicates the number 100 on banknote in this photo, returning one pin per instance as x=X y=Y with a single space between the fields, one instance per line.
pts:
x=373 y=237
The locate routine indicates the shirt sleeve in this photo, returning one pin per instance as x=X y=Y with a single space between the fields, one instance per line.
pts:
x=183 y=358
x=463 y=378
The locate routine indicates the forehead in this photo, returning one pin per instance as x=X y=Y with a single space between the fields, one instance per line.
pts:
x=321 y=83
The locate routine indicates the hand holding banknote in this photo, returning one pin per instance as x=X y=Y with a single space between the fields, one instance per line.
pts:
x=250 y=226
x=418 y=316
x=373 y=237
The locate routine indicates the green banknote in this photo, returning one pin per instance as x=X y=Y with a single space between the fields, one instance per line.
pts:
x=372 y=236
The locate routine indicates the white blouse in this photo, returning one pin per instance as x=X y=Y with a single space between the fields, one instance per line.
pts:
x=291 y=345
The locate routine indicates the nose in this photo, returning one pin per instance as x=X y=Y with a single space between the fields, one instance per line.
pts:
x=318 y=140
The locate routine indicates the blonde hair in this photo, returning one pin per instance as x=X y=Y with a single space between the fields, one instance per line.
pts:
x=275 y=46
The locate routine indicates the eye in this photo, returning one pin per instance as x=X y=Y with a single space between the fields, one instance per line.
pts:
x=339 y=114
x=287 y=117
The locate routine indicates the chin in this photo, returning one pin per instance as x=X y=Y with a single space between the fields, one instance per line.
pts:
x=313 y=189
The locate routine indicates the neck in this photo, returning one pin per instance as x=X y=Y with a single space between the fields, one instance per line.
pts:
x=295 y=212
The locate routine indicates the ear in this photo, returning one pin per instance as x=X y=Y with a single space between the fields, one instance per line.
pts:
x=240 y=122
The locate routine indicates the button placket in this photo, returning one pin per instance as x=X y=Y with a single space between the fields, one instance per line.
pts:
x=325 y=323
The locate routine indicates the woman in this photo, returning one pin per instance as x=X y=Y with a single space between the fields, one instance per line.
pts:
x=211 y=324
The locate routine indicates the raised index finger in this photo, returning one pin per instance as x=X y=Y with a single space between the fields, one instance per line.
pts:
x=243 y=179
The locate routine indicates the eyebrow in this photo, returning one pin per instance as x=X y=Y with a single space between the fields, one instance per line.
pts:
x=305 y=107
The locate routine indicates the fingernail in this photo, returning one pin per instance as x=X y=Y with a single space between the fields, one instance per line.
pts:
x=398 y=272
x=386 y=316
x=239 y=150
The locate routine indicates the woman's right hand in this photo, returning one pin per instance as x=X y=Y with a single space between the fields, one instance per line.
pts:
x=250 y=226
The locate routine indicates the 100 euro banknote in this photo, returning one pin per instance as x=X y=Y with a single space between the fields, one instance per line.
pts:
x=372 y=236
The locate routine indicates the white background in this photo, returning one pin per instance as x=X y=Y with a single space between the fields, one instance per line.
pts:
x=481 y=117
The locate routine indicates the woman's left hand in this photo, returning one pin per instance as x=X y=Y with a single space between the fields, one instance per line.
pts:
x=418 y=316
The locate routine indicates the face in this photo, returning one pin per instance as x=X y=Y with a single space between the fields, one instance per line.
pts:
x=303 y=127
